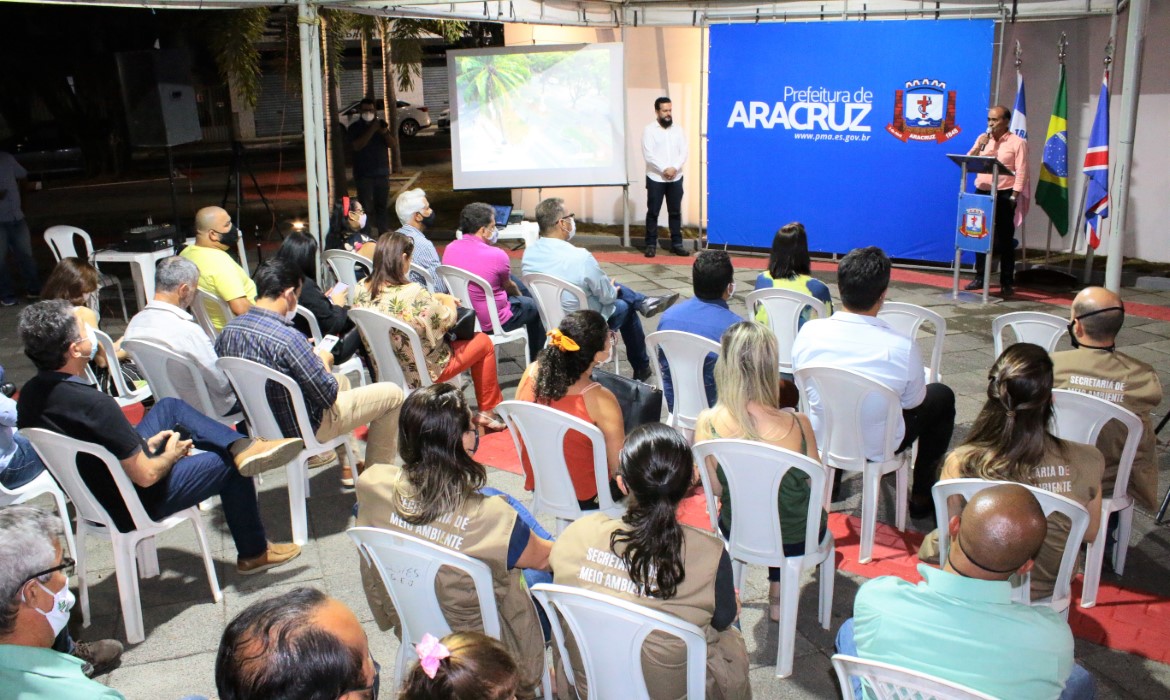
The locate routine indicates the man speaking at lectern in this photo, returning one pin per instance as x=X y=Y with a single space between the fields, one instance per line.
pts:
x=1012 y=151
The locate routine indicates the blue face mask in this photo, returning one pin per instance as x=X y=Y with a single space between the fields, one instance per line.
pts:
x=93 y=342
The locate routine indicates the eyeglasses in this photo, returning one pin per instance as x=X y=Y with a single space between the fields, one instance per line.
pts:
x=357 y=210
x=66 y=566
x=566 y=216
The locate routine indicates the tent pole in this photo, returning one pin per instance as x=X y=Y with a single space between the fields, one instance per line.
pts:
x=1134 y=42
x=318 y=107
x=306 y=22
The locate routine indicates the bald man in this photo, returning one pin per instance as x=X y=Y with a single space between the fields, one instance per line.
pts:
x=219 y=274
x=1095 y=367
x=960 y=623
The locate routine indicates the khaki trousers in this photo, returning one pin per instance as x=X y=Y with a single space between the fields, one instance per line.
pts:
x=375 y=405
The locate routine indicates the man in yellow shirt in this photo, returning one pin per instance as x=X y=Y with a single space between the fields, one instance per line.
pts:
x=219 y=274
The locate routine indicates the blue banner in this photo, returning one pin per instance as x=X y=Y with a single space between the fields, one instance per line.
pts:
x=845 y=127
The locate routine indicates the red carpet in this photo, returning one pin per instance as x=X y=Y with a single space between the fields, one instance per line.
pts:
x=497 y=450
x=1123 y=619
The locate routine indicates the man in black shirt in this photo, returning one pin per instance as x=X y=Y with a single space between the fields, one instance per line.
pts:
x=166 y=477
x=370 y=137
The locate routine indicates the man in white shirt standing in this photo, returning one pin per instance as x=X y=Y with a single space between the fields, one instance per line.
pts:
x=856 y=339
x=664 y=146
x=165 y=321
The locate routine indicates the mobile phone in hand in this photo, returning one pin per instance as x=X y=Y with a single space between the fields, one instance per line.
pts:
x=327 y=343
x=183 y=431
x=339 y=287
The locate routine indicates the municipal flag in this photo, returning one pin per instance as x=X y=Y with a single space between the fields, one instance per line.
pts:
x=1019 y=127
x=1097 y=168
x=1052 y=190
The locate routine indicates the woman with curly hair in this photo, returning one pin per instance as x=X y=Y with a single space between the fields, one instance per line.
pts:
x=435 y=495
x=1012 y=440
x=648 y=557
x=560 y=379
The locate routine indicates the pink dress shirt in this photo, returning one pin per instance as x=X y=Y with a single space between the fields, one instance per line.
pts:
x=471 y=253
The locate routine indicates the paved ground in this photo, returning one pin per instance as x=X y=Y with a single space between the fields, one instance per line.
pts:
x=183 y=624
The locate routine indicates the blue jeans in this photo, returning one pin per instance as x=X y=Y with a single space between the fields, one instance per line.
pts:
x=196 y=478
x=624 y=319
x=14 y=235
x=531 y=576
x=1080 y=684
x=24 y=466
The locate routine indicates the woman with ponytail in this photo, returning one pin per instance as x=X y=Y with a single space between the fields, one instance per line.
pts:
x=1011 y=440
x=649 y=558
x=560 y=379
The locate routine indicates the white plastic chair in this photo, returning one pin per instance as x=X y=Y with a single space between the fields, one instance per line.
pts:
x=551 y=294
x=888 y=682
x=250 y=380
x=907 y=319
x=42 y=484
x=134 y=551
x=843 y=394
x=754 y=471
x=785 y=308
x=376 y=328
x=685 y=355
x=609 y=633
x=542 y=430
x=200 y=309
x=1036 y=327
x=459 y=282
x=343 y=264
x=62 y=242
x=159 y=364
x=1080 y=418
x=425 y=274
x=127 y=396
x=409 y=567
x=351 y=367
x=1050 y=503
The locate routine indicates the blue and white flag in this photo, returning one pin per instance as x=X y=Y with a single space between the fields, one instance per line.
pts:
x=1019 y=127
x=1097 y=168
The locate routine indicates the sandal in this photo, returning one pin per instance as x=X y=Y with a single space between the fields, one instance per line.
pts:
x=490 y=422
x=347 y=474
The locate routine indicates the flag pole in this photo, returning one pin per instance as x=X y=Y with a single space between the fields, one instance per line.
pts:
x=1023 y=229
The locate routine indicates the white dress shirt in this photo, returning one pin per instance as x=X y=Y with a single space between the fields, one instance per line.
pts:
x=869 y=346
x=662 y=149
x=552 y=256
x=170 y=326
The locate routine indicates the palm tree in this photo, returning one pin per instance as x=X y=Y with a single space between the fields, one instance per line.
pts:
x=487 y=81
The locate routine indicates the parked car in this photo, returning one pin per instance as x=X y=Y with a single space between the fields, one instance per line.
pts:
x=411 y=119
x=46 y=150
x=445 y=120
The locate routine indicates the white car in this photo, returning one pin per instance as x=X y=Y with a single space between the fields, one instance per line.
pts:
x=411 y=119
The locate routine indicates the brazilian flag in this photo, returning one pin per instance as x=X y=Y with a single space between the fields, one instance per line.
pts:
x=1052 y=189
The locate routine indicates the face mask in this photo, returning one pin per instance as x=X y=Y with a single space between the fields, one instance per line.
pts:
x=367 y=116
x=572 y=228
x=495 y=236
x=428 y=220
x=362 y=220
x=1072 y=336
x=93 y=342
x=58 y=615
x=229 y=237
x=731 y=290
x=292 y=311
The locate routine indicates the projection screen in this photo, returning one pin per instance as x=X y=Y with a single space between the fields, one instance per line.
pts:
x=537 y=116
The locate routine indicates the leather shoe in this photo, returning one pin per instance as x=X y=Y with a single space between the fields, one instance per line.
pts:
x=974 y=285
x=99 y=657
x=259 y=455
x=651 y=251
x=1007 y=291
x=652 y=306
x=276 y=555
x=643 y=374
x=679 y=250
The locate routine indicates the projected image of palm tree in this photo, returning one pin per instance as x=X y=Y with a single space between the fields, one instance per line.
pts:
x=487 y=83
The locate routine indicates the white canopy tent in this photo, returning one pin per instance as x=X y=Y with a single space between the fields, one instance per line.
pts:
x=684 y=13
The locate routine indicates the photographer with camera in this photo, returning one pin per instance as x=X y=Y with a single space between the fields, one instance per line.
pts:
x=370 y=138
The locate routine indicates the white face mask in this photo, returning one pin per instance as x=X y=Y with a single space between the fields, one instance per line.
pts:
x=58 y=615
x=731 y=290
x=495 y=236
x=362 y=221
x=292 y=311
x=367 y=116
x=572 y=228
x=93 y=342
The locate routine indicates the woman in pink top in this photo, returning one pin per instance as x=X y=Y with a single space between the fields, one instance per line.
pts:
x=560 y=379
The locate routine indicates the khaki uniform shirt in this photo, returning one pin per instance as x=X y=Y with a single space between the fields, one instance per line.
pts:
x=582 y=557
x=482 y=529
x=1134 y=385
x=1073 y=473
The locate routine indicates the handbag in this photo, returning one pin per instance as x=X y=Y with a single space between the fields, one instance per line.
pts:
x=464 y=327
x=641 y=403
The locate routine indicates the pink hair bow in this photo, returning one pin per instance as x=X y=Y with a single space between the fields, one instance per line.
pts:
x=430 y=652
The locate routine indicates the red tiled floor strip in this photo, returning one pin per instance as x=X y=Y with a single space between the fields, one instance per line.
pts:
x=1123 y=619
